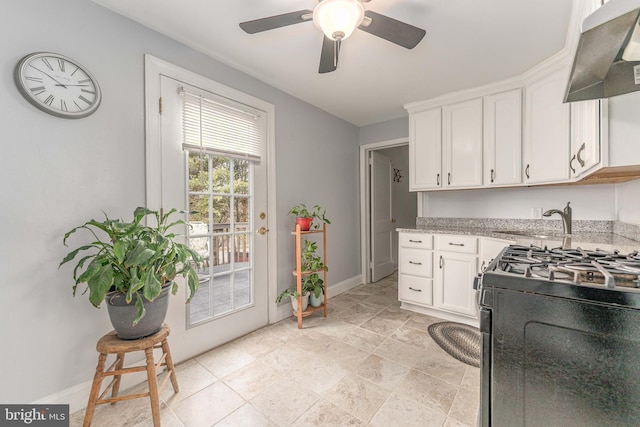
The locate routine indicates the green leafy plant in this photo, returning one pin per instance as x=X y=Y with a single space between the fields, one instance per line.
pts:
x=311 y=261
x=313 y=283
x=288 y=292
x=318 y=214
x=130 y=257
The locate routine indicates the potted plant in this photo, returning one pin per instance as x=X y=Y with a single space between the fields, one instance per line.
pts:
x=315 y=286
x=305 y=217
x=293 y=294
x=313 y=264
x=132 y=266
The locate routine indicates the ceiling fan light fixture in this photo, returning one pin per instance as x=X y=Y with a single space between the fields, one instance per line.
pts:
x=338 y=18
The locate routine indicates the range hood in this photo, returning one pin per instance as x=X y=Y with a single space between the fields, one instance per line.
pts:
x=607 y=60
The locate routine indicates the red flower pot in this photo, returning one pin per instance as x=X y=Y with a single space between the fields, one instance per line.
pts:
x=305 y=223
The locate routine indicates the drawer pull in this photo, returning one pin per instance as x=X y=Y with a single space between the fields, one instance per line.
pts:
x=415 y=263
x=456 y=244
x=415 y=241
x=415 y=290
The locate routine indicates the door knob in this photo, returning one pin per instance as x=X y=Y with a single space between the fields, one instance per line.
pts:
x=263 y=231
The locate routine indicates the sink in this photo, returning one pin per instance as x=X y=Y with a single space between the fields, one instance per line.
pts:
x=531 y=234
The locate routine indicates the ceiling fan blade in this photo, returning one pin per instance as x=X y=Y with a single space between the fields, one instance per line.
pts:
x=390 y=29
x=329 y=55
x=276 y=21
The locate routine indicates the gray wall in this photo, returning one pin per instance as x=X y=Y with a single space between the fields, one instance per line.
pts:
x=57 y=173
x=385 y=131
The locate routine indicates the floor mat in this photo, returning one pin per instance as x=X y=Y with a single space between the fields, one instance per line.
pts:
x=459 y=340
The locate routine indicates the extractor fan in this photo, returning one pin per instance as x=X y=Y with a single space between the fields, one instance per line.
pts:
x=338 y=19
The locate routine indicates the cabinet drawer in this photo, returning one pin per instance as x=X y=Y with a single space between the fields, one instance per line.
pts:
x=417 y=262
x=459 y=244
x=414 y=289
x=416 y=240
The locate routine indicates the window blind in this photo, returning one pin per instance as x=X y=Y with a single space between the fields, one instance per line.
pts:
x=221 y=127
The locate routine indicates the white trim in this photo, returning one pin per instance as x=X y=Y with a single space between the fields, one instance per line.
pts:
x=154 y=68
x=284 y=310
x=364 y=199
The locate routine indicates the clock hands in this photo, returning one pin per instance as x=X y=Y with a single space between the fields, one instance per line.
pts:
x=49 y=75
x=60 y=84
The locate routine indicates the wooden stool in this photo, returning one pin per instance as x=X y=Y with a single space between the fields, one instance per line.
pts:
x=111 y=344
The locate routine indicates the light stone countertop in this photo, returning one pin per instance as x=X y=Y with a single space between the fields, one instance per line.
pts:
x=603 y=239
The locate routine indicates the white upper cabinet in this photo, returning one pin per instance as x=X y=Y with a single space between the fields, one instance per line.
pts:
x=462 y=144
x=503 y=138
x=425 y=150
x=546 y=137
x=585 y=137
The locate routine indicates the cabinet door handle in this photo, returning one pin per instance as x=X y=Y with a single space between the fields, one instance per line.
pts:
x=571 y=164
x=415 y=290
x=438 y=180
x=492 y=175
x=415 y=263
x=441 y=261
x=456 y=244
x=580 y=159
x=415 y=241
x=526 y=172
x=449 y=178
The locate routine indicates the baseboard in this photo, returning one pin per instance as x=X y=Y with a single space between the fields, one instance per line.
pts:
x=284 y=310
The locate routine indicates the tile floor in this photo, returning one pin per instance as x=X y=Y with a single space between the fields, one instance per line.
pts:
x=369 y=363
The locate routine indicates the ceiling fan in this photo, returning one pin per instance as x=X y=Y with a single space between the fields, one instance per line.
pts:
x=338 y=19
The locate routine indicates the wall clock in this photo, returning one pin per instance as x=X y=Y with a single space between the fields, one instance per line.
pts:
x=58 y=85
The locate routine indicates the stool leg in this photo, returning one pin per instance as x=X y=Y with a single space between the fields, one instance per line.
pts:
x=95 y=391
x=153 y=387
x=170 y=367
x=116 y=379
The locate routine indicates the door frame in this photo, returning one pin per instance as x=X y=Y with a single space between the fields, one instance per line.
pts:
x=154 y=68
x=365 y=200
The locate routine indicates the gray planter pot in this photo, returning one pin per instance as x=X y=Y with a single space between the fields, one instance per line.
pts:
x=122 y=314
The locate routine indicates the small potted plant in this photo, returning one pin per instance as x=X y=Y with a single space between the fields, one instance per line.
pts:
x=132 y=266
x=312 y=263
x=305 y=217
x=315 y=286
x=293 y=294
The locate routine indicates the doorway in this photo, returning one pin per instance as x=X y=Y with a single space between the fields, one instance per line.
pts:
x=226 y=199
x=386 y=204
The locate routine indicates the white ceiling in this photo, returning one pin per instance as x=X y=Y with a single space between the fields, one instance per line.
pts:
x=468 y=43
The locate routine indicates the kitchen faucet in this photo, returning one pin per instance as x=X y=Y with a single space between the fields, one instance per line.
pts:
x=566 y=217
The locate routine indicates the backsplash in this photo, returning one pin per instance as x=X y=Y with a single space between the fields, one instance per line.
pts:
x=630 y=231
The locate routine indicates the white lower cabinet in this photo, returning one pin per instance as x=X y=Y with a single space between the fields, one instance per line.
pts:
x=457 y=259
x=415 y=268
x=439 y=277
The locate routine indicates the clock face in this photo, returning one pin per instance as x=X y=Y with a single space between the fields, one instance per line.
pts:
x=58 y=85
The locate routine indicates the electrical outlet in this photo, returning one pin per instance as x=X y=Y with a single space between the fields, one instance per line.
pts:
x=536 y=213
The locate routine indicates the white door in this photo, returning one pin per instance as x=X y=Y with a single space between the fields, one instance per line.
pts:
x=503 y=138
x=425 y=150
x=381 y=217
x=585 y=136
x=455 y=277
x=546 y=142
x=462 y=144
x=227 y=200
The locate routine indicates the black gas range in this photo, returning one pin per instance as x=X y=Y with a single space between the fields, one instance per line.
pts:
x=560 y=338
